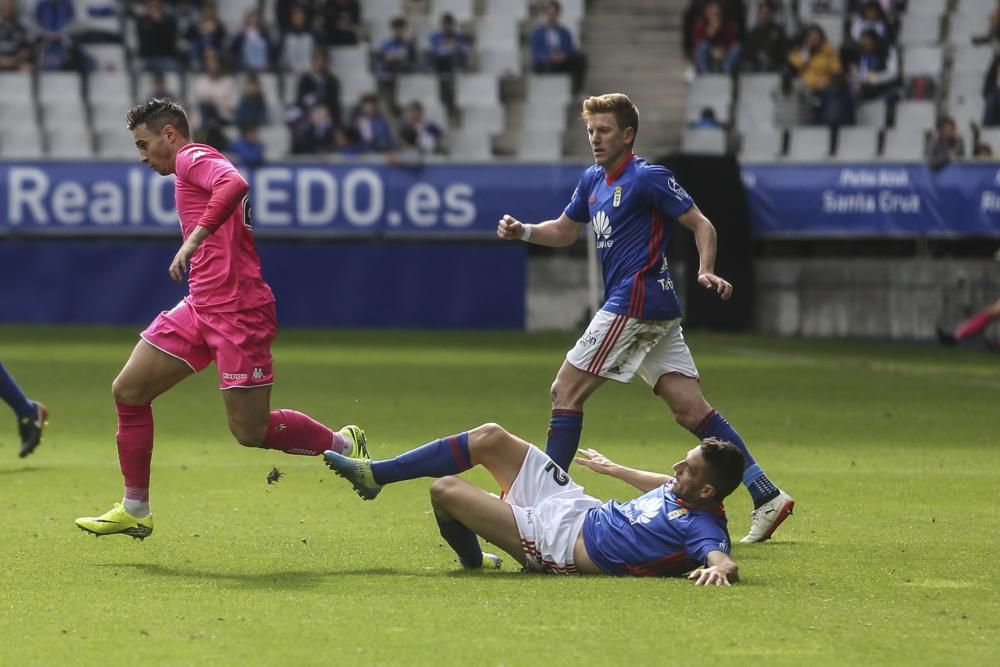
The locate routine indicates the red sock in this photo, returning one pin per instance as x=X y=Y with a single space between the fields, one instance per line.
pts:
x=135 y=445
x=974 y=325
x=297 y=433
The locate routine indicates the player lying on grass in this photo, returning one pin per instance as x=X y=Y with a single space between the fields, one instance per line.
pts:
x=548 y=524
x=228 y=317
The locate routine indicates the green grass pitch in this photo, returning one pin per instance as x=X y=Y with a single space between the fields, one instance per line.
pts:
x=891 y=451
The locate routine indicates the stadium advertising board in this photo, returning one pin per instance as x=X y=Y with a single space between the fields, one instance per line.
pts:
x=873 y=200
x=287 y=199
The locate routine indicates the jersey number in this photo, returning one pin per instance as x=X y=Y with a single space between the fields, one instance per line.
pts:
x=247 y=221
x=561 y=478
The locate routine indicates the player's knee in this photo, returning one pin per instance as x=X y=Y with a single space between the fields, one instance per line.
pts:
x=443 y=490
x=125 y=392
x=488 y=433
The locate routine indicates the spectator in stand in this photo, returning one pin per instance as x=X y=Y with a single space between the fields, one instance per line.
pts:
x=427 y=135
x=252 y=47
x=247 y=148
x=319 y=86
x=317 y=134
x=372 y=127
x=553 y=51
x=991 y=93
x=397 y=54
x=298 y=43
x=340 y=22
x=782 y=15
x=159 y=91
x=251 y=110
x=992 y=34
x=211 y=134
x=283 y=14
x=874 y=72
x=716 y=41
x=707 y=119
x=58 y=50
x=818 y=66
x=947 y=144
x=157 y=33
x=873 y=18
x=449 y=50
x=209 y=34
x=15 y=47
x=215 y=91
x=766 y=44
x=983 y=151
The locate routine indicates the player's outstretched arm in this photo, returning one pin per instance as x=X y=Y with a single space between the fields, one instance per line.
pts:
x=555 y=233
x=721 y=570
x=704 y=237
x=640 y=479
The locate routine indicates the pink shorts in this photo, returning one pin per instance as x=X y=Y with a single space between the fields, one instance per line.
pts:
x=239 y=342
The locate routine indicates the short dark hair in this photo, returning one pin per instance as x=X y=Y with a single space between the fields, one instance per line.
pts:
x=724 y=464
x=156 y=114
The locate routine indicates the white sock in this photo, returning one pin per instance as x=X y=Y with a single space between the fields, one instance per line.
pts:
x=348 y=448
x=137 y=508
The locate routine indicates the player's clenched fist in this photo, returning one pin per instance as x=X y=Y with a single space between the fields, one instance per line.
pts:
x=509 y=228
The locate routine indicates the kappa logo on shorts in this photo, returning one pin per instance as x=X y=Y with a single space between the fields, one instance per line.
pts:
x=234 y=376
x=257 y=374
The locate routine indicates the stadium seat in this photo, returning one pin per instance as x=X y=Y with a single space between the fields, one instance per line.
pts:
x=497 y=31
x=922 y=60
x=963 y=27
x=968 y=59
x=16 y=87
x=833 y=26
x=469 y=145
x=808 y=144
x=926 y=7
x=58 y=87
x=573 y=11
x=232 y=13
x=857 y=144
x=423 y=88
x=704 y=141
x=917 y=113
x=516 y=10
x=754 y=86
x=144 y=84
x=462 y=10
x=22 y=142
x=539 y=145
x=991 y=136
x=270 y=88
x=980 y=8
x=354 y=85
x=499 y=62
x=710 y=90
x=920 y=29
x=870 y=114
x=761 y=144
x=277 y=141
x=477 y=90
x=382 y=11
x=110 y=97
x=757 y=104
x=967 y=111
x=545 y=89
x=543 y=117
x=346 y=59
x=904 y=144
x=115 y=144
x=107 y=57
x=68 y=142
x=490 y=120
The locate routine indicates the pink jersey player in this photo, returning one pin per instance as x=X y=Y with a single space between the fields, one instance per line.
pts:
x=228 y=317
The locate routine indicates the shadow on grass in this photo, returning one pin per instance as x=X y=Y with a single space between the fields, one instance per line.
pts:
x=16 y=471
x=292 y=579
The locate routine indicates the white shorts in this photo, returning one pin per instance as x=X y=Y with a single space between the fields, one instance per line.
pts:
x=617 y=347
x=549 y=508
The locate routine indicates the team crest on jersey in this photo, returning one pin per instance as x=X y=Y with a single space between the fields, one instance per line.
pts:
x=602 y=229
x=642 y=510
x=618 y=197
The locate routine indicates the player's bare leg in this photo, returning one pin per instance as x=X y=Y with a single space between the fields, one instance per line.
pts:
x=971 y=327
x=683 y=396
x=570 y=390
x=249 y=412
x=148 y=373
x=463 y=511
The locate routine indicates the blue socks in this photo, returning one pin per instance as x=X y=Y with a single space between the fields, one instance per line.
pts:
x=761 y=489
x=462 y=540
x=564 y=436
x=446 y=456
x=13 y=396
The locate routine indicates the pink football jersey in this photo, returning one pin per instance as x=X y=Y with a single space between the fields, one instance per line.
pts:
x=225 y=272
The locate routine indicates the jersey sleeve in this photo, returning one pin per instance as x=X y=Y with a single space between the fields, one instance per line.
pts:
x=704 y=536
x=667 y=195
x=578 y=210
x=201 y=168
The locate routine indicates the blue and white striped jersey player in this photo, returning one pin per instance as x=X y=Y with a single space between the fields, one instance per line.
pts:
x=638 y=329
x=548 y=524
